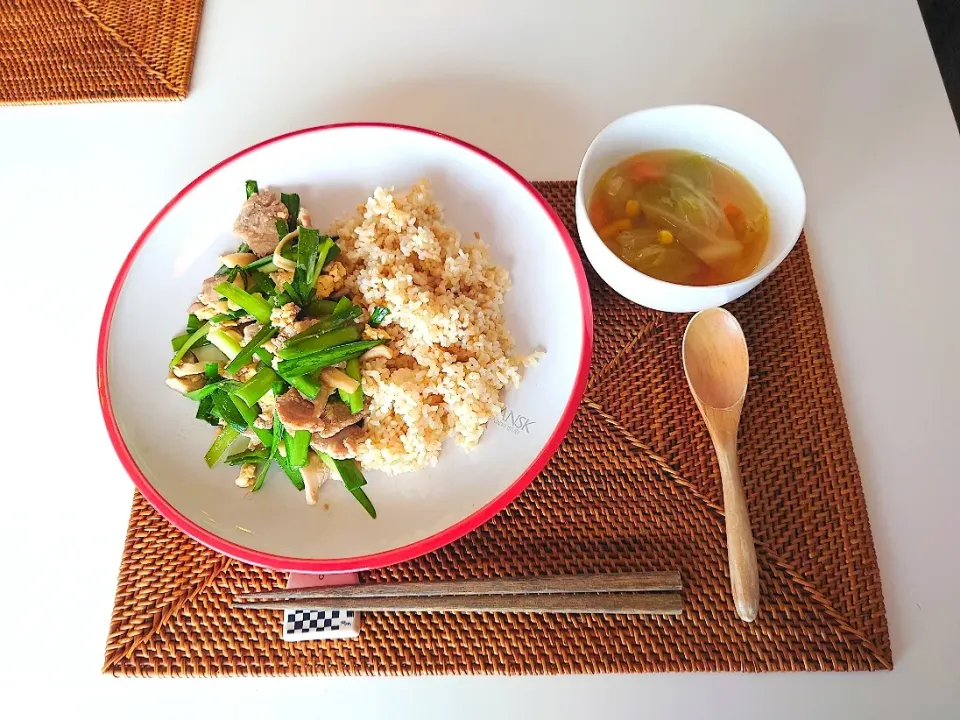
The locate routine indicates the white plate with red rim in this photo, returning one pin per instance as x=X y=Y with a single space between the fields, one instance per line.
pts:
x=333 y=168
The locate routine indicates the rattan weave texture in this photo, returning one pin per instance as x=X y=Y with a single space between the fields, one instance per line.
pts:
x=64 y=51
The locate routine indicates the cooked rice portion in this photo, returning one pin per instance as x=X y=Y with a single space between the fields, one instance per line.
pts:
x=446 y=323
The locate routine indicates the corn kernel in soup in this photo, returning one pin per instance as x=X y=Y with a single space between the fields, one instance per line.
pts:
x=681 y=217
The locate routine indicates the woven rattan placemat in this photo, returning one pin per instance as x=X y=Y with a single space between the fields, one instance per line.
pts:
x=634 y=486
x=62 y=51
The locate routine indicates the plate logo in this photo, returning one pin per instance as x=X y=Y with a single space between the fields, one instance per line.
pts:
x=514 y=422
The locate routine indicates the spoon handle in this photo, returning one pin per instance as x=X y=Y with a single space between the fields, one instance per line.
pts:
x=740 y=550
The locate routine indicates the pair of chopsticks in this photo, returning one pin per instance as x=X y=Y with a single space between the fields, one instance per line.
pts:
x=652 y=593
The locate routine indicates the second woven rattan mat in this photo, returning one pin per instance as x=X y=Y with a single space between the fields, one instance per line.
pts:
x=62 y=51
x=634 y=486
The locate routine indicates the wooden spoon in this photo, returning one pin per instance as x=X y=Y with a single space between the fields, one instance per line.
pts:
x=716 y=363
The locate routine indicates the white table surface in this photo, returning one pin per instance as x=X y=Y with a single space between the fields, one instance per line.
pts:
x=850 y=87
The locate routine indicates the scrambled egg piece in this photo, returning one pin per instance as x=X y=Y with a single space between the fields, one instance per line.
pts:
x=247 y=476
x=283 y=316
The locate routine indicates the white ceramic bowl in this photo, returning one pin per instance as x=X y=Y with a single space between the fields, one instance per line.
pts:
x=333 y=168
x=723 y=134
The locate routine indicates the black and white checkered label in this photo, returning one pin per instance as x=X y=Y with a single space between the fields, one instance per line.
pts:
x=318 y=624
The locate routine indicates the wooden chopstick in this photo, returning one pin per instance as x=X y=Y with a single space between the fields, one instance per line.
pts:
x=614 y=582
x=631 y=603
x=626 y=593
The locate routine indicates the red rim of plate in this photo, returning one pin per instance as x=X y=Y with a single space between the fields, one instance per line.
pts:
x=388 y=557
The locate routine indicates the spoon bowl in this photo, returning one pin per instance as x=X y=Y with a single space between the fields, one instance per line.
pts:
x=717 y=366
x=715 y=358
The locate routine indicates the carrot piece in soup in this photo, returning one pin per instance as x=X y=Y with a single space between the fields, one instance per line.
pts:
x=610 y=231
x=732 y=211
x=735 y=217
x=640 y=170
x=599 y=215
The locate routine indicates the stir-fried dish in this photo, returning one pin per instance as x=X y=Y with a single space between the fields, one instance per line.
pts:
x=681 y=217
x=268 y=356
x=368 y=346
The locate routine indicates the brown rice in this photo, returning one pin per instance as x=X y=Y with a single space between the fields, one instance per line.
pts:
x=445 y=325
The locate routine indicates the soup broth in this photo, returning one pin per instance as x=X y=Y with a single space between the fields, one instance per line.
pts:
x=681 y=217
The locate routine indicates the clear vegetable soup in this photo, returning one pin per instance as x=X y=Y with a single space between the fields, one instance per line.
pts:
x=681 y=217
